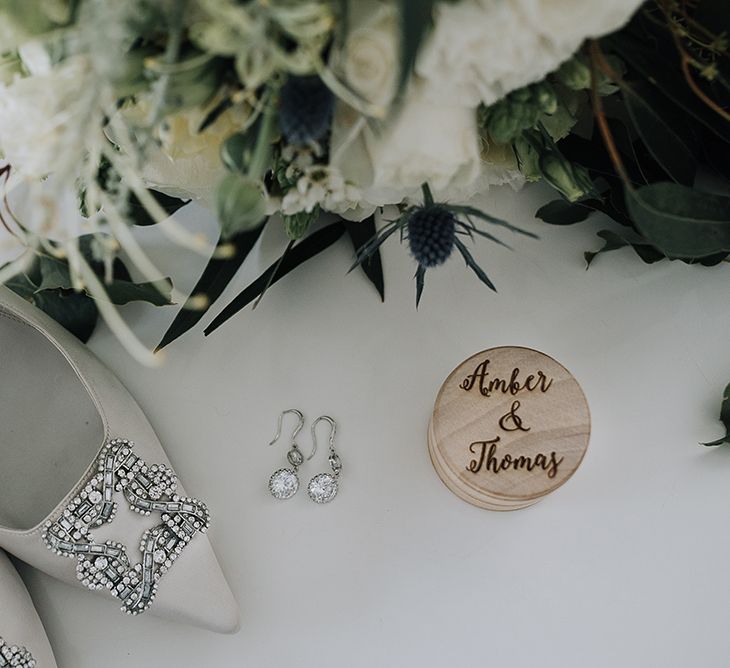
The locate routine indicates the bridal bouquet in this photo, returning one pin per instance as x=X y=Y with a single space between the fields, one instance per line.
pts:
x=315 y=114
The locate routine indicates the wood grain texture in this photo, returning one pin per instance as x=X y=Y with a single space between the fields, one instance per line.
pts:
x=509 y=426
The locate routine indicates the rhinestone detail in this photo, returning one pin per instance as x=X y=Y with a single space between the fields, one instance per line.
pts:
x=147 y=489
x=322 y=488
x=283 y=484
x=17 y=657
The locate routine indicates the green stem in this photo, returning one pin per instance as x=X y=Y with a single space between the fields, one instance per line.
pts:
x=261 y=159
x=427 y=195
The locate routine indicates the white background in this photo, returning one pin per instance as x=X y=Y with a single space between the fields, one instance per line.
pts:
x=626 y=565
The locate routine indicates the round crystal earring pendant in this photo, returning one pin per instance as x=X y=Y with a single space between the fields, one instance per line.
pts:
x=284 y=482
x=322 y=488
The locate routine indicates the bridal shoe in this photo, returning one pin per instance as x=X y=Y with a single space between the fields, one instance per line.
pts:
x=87 y=493
x=23 y=642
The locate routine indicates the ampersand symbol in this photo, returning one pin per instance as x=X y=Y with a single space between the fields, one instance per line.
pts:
x=511 y=421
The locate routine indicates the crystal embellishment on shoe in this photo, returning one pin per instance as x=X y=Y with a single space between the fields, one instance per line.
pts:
x=15 y=657
x=147 y=489
x=322 y=488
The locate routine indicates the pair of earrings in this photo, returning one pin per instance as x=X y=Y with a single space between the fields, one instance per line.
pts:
x=284 y=483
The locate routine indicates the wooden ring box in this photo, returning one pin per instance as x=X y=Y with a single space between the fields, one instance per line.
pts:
x=509 y=426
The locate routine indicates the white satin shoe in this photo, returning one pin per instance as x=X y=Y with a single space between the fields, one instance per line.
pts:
x=77 y=456
x=23 y=642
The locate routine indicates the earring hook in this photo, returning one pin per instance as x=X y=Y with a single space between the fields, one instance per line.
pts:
x=333 y=430
x=298 y=428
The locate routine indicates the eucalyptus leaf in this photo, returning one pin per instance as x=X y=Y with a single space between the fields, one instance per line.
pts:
x=724 y=418
x=680 y=221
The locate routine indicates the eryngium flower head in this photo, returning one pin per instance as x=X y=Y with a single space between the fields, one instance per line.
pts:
x=305 y=109
x=431 y=232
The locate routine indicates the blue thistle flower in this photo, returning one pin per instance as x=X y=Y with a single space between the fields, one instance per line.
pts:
x=431 y=234
x=305 y=109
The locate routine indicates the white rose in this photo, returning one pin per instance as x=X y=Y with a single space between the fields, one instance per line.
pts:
x=370 y=56
x=480 y=50
x=424 y=142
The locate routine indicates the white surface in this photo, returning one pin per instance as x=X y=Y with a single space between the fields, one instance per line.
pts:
x=623 y=566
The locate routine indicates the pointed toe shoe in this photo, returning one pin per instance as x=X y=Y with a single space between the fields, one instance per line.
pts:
x=87 y=493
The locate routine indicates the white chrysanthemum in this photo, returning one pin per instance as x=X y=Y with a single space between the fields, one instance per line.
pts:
x=480 y=50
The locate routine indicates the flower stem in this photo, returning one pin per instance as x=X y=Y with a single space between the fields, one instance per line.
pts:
x=261 y=159
x=597 y=104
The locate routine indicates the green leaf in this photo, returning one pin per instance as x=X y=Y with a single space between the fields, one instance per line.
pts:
x=561 y=212
x=724 y=418
x=54 y=273
x=472 y=264
x=420 y=276
x=614 y=241
x=680 y=221
x=121 y=290
x=215 y=278
x=360 y=233
x=306 y=249
x=157 y=293
x=138 y=214
x=478 y=213
x=240 y=204
x=655 y=60
x=238 y=150
x=416 y=19
x=652 y=121
x=714 y=14
x=22 y=286
x=75 y=311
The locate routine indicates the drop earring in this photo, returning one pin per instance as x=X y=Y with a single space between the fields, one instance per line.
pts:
x=323 y=487
x=284 y=482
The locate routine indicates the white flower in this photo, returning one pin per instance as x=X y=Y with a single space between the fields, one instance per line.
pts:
x=480 y=50
x=323 y=186
x=370 y=57
x=187 y=162
x=424 y=142
x=45 y=119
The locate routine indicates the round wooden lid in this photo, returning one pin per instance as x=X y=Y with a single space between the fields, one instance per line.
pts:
x=509 y=426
